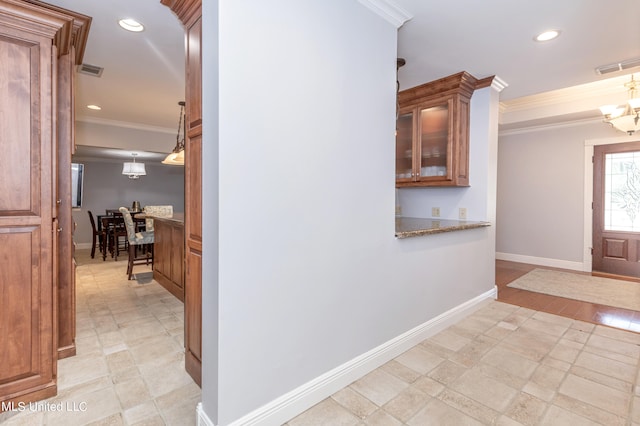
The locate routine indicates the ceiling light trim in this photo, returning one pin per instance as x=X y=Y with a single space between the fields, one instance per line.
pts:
x=388 y=10
x=130 y=24
x=547 y=35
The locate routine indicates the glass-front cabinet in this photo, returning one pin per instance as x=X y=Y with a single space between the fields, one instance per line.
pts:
x=432 y=133
x=404 y=147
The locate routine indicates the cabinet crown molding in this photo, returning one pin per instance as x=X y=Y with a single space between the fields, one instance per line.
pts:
x=461 y=83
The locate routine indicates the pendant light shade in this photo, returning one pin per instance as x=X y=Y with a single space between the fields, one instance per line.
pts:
x=132 y=169
x=625 y=118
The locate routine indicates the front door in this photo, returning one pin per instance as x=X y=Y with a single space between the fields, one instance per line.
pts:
x=616 y=209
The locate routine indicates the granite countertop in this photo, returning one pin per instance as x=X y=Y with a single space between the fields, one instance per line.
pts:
x=414 y=226
x=177 y=217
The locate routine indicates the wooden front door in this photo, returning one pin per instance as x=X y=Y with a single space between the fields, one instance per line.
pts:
x=616 y=209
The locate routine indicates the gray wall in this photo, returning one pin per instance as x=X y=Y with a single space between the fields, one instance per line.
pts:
x=105 y=187
x=541 y=193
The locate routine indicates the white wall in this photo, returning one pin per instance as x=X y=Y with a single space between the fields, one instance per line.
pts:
x=418 y=202
x=105 y=187
x=541 y=193
x=310 y=274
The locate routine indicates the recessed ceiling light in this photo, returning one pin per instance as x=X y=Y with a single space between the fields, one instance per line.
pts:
x=130 y=24
x=547 y=35
x=94 y=107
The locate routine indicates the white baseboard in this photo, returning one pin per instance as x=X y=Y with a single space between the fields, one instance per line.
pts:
x=83 y=246
x=298 y=400
x=203 y=419
x=543 y=261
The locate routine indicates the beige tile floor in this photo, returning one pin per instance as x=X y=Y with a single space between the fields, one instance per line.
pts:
x=503 y=365
x=129 y=367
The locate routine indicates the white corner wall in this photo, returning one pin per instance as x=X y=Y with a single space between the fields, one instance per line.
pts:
x=308 y=274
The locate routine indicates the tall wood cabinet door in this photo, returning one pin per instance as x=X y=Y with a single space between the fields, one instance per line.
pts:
x=66 y=270
x=193 y=203
x=190 y=14
x=27 y=221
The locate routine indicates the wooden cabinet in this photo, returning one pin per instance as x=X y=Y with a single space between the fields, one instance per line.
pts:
x=168 y=254
x=190 y=14
x=35 y=40
x=432 y=133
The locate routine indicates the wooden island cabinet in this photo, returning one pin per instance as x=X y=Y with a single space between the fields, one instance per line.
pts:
x=168 y=253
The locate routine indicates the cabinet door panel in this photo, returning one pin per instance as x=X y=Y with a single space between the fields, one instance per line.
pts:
x=435 y=137
x=404 y=146
x=27 y=251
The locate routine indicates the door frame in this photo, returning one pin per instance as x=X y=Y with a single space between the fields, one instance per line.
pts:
x=587 y=264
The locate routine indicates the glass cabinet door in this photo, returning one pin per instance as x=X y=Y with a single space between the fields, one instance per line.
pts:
x=434 y=141
x=404 y=147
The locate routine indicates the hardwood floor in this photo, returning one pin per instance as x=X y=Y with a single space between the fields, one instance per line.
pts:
x=507 y=272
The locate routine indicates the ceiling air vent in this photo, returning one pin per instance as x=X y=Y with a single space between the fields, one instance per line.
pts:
x=618 y=66
x=88 y=69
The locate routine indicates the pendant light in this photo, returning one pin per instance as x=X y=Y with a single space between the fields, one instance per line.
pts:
x=625 y=118
x=132 y=169
x=176 y=157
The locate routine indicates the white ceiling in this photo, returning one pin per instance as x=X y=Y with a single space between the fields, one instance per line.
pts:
x=495 y=37
x=143 y=78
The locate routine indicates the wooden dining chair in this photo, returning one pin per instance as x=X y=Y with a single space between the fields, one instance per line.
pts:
x=97 y=236
x=120 y=241
x=140 y=243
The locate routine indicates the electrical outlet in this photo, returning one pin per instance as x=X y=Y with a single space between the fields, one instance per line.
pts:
x=435 y=211
x=398 y=210
x=462 y=213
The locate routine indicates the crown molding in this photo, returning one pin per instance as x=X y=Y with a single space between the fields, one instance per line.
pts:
x=125 y=125
x=498 y=84
x=595 y=89
x=388 y=10
x=549 y=126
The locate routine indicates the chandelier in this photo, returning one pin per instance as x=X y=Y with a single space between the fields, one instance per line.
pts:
x=132 y=169
x=176 y=157
x=625 y=118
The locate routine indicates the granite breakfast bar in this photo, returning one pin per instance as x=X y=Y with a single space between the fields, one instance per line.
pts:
x=407 y=227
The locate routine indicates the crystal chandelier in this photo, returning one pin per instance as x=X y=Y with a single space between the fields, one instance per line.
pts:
x=625 y=118
x=176 y=157
x=132 y=169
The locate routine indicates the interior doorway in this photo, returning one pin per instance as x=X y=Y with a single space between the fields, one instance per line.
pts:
x=616 y=209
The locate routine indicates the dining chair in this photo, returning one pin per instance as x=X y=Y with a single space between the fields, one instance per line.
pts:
x=140 y=243
x=96 y=235
x=120 y=240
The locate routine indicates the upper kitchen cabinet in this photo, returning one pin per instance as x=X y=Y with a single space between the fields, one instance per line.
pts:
x=432 y=133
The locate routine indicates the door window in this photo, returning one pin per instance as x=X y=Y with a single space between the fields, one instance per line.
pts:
x=622 y=192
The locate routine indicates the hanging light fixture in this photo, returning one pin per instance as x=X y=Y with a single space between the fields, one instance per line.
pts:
x=132 y=169
x=400 y=62
x=625 y=118
x=176 y=157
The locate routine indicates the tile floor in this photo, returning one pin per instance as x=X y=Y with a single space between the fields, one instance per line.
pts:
x=129 y=367
x=503 y=365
